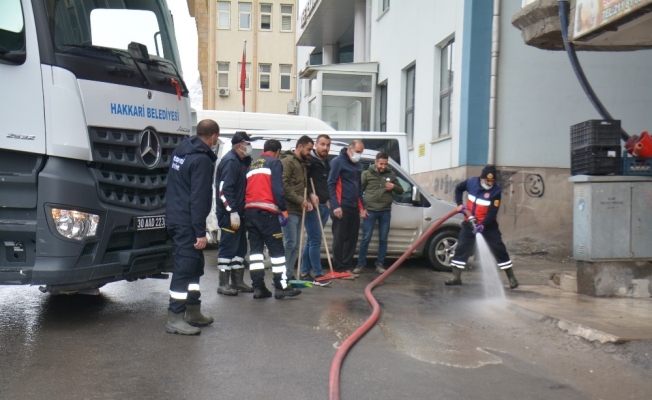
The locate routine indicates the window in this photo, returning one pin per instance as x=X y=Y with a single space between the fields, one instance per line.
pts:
x=383 y=108
x=265 y=17
x=12 y=29
x=286 y=18
x=410 y=75
x=223 y=15
x=346 y=83
x=248 y=69
x=264 y=76
x=286 y=77
x=244 y=15
x=385 y=4
x=222 y=74
x=445 y=88
x=346 y=54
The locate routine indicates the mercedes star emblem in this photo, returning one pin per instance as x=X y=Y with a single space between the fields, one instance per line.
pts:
x=150 y=148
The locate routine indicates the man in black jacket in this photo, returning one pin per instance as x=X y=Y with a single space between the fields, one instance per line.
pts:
x=188 y=204
x=231 y=183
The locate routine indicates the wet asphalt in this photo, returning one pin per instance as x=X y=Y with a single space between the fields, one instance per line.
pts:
x=431 y=342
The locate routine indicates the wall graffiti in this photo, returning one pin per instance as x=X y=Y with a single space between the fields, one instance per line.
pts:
x=534 y=185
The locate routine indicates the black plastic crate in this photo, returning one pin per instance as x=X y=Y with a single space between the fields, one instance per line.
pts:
x=595 y=133
x=597 y=160
x=641 y=166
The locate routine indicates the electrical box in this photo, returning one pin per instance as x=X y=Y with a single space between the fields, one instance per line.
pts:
x=612 y=218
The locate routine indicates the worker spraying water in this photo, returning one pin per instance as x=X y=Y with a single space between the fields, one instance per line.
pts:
x=481 y=210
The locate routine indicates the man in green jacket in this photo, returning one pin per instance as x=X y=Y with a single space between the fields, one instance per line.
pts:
x=378 y=184
x=295 y=185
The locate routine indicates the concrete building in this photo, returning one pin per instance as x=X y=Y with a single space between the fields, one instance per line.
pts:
x=269 y=28
x=458 y=79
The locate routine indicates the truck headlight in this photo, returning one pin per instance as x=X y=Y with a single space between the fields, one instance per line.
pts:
x=75 y=224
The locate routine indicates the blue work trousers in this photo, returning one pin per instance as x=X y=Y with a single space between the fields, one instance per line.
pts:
x=384 y=218
x=311 y=255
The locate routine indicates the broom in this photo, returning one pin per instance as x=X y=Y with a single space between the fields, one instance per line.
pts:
x=332 y=274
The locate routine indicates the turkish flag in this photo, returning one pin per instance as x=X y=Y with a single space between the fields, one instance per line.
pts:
x=243 y=73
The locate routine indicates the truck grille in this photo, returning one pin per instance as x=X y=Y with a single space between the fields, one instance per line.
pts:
x=122 y=176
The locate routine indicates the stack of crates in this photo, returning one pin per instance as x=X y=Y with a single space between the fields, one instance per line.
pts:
x=596 y=148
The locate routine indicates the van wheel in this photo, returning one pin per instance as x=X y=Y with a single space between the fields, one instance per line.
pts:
x=441 y=250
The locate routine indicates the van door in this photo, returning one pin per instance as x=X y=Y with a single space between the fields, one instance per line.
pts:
x=407 y=220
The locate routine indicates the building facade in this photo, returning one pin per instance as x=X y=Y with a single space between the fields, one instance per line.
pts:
x=458 y=79
x=268 y=28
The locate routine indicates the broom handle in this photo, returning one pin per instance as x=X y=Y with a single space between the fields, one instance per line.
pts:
x=303 y=220
x=323 y=234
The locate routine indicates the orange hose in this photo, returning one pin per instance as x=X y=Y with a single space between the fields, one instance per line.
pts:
x=336 y=365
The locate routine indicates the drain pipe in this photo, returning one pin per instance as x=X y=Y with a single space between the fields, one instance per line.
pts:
x=564 y=11
x=336 y=365
x=493 y=90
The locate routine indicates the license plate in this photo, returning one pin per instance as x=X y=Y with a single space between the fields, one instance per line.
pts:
x=150 y=222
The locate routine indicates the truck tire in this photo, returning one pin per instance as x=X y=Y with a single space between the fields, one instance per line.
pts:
x=441 y=249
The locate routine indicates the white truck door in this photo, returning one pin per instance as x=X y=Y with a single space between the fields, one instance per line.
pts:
x=22 y=126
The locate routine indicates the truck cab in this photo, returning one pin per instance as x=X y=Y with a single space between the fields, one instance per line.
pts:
x=93 y=105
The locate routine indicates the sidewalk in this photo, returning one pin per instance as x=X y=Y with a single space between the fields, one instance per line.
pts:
x=606 y=320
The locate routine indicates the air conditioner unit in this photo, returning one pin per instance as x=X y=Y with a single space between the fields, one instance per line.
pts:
x=292 y=106
x=225 y=92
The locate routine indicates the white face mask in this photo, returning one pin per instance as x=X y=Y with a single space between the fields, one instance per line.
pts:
x=248 y=150
x=355 y=157
x=486 y=186
x=216 y=147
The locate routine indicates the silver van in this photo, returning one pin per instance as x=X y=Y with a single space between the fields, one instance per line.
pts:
x=413 y=212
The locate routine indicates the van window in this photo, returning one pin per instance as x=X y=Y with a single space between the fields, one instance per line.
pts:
x=389 y=146
x=406 y=196
x=12 y=27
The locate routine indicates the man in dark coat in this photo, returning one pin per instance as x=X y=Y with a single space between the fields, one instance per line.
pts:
x=188 y=204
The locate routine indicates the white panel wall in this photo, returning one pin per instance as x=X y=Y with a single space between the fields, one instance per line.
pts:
x=409 y=33
x=539 y=97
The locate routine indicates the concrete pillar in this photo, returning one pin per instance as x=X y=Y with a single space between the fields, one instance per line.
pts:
x=327 y=54
x=360 y=31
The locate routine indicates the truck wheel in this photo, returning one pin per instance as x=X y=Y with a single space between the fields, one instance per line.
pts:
x=441 y=250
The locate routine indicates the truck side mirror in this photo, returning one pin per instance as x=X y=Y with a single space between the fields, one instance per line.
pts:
x=416 y=195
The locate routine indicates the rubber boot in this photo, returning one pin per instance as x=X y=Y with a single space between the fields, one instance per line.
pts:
x=176 y=324
x=262 y=292
x=194 y=316
x=457 y=277
x=223 y=287
x=237 y=281
x=513 y=283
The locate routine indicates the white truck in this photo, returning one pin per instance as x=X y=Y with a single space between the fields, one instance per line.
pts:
x=92 y=105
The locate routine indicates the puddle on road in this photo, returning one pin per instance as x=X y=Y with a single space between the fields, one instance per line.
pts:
x=438 y=343
x=342 y=318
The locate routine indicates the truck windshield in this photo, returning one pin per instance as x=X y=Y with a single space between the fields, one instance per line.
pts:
x=140 y=27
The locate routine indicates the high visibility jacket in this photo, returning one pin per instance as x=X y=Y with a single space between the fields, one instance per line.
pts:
x=189 y=185
x=482 y=203
x=265 y=184
x=230 y=181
